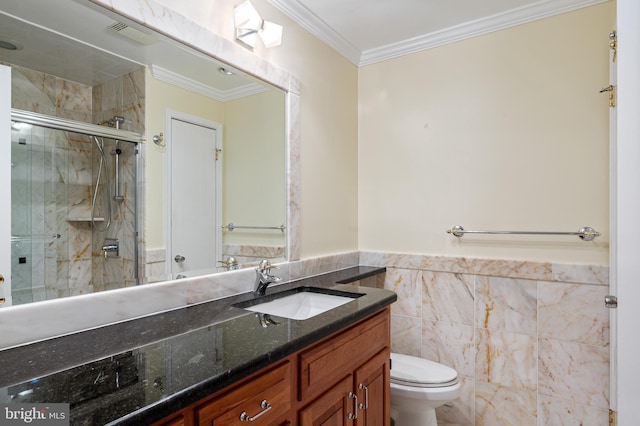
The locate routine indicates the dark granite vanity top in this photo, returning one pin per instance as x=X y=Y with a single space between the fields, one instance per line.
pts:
x=140 y=371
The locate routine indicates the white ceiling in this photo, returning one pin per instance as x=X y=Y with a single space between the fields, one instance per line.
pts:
x=368 y=31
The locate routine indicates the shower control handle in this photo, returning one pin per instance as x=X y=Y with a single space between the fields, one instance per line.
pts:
x=179 y=258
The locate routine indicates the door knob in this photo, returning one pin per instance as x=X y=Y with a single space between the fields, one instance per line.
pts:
x=179 y=258
x=1 y=279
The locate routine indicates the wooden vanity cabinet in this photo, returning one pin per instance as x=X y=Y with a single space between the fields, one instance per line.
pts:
x=347 y=377
x=341 y=380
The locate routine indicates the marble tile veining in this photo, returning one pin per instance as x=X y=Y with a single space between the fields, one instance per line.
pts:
x=448 y=297
x=449 y=344
x=407 y=284
x=573 y=312
x=506 y=304
x=498 y=405
x=506 y=359
x=573 y=371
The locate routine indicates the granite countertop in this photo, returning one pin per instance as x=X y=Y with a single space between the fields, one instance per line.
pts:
x=142 y=370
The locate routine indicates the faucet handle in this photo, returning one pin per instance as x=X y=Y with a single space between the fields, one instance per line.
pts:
x=230 y=263
x=265 y=265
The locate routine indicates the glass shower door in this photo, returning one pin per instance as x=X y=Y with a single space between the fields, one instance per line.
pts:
x=60 y=231
x=33 y=210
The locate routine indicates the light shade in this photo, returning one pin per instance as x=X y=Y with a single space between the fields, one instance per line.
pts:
x=250 y=26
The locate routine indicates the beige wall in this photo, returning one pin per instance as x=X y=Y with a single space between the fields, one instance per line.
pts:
x=505 y=131
x=254 y=167
x=329 y=117
x=160 y=96
x=245 y=149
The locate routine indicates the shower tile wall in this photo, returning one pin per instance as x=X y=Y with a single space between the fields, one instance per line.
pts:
x=125 y=97
x=529 y=340
x=62 y=176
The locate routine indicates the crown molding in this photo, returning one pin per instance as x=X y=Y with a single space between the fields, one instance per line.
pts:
x=170 y=77
x=316 y=26
x=522 y=15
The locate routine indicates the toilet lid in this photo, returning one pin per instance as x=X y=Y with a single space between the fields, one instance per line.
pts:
x=413 y=371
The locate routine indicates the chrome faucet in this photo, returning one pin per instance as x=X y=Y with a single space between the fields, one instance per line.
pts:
x=264 y=278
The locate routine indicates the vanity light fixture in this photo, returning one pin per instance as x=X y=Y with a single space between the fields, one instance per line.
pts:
x=250 y=26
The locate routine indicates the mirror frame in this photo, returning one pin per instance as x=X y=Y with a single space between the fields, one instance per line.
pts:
x=43 y=320
x=178 y=28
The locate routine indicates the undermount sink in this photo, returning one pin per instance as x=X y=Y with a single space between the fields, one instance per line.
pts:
x=299 y=303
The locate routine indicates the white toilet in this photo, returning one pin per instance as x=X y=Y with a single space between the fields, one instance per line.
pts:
x=418 y=387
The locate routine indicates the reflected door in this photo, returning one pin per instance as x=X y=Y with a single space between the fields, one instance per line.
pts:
x=195 y=213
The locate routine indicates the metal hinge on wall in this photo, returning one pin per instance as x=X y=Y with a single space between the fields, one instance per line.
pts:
x=613 y=420
x=612 y=94
x=613 y=45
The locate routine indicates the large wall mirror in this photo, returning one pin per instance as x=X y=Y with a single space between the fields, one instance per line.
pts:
x=206 y=192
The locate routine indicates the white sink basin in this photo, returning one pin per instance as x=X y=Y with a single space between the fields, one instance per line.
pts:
x=303 y=305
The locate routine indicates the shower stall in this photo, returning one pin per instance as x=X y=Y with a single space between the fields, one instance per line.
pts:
x=74 y=224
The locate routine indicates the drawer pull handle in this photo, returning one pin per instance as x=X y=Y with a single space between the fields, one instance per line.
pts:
x=364 y=406
x=355 y=406
x=244 y=417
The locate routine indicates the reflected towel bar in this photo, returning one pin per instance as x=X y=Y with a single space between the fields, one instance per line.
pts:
x=231 y=227
x=586 y=233
x=34 y=237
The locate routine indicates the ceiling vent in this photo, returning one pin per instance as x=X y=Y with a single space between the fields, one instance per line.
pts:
x=131 y=33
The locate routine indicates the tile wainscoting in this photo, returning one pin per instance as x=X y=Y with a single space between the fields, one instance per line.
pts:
x=530 y=340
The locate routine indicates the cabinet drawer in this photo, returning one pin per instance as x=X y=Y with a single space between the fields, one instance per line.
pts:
x=328 y=362
x=273 y=387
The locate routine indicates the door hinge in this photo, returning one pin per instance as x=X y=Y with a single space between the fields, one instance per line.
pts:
x=613 y=45
x=218 y=152
x=613 y=418
x=610 y=301
x=612 y=94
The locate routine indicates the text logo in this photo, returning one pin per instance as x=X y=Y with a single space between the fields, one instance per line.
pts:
x=34 y=414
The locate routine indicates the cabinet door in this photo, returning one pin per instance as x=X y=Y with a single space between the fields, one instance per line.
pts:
x=372 y=389
x=332 y=408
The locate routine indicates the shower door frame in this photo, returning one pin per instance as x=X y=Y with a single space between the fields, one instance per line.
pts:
x=5 y=191
x=66 y=125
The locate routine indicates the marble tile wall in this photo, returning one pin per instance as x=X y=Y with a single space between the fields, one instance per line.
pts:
x=124 y=97
x=62 y=171
x=252 y=254
x=529 y=340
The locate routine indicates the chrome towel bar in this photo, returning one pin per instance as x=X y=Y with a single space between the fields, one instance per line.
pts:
x=231 y=227
x=586 y=233
x=49 y=237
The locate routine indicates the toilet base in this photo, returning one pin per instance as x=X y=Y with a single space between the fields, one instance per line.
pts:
x=423 y=418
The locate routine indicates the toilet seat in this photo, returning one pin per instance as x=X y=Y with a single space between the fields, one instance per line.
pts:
x=422 y=373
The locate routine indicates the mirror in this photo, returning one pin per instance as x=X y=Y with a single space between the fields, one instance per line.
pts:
x=121 y=69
